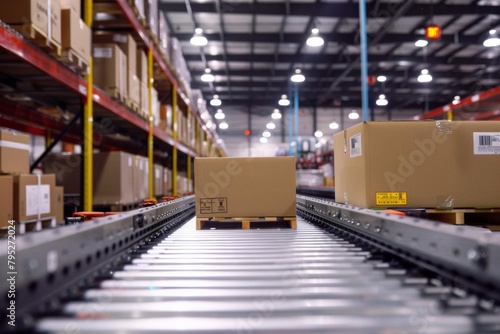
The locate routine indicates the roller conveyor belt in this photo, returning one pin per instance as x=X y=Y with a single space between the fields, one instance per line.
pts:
x=315 y=279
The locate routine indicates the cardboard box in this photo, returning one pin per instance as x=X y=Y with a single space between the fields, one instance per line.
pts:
x=6 y=199
x=151 y=9
x=125 y=42
x=23 y=13
x=59 y=204
x=76 y=35
x=139 y=5
x=167 y=181
x=158 y=180
x=74 y=5
x=134 y=88
x=163 y=32
x=34 y=197
x=418 y=164
x=113 y=175
x=110 y=69
x=14 y=152
x=245 y=187
x=142 y=66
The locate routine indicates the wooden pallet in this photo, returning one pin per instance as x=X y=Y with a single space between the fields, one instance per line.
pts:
x=246 y=223
x=465 y=216
x=37 y=36
x=133 y=105
x=35 y=225
x=73 y=61
x=115 y=93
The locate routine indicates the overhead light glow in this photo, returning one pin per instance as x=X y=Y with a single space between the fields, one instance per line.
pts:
x=263 y=140
x=456 y=100
x=266 y=134
x=334 y=125
x=270 y=126
x=298 y=77
x=198 y=38
x=223 y=125
x=283 y=101
x=276 y=114
x=424 y=76
x=382 y=101
x=353 y=114
x=215 y=101
x=219 y=114
x=421 y=43
x=492 y=39
x=315 y=39
x=381 y=78
x=318 y=134
x=207 y=76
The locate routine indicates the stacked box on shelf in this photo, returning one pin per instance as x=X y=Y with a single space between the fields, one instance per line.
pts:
x=142 y=73
x=156 y=107
x=74 y=5
x=158 y=180
x=139 y=7
x=163 y=33
x=75 y=37
x=179 y=64
x=151 y=9
x=112 y=174
x=31 y=18
x=110 y=70
x=6 y=199
x=140 y=178
x=128 y=46
x=167 y=181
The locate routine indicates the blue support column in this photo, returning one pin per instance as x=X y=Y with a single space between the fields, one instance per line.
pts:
x=364 y=60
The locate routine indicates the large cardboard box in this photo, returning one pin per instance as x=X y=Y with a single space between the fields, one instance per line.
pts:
x=6 y=199
x=163 y=32
x=74 y=5
x=158 y=180
x=245 y=187
x=14 y=152
x=76 y=35
x=34 y=197
x=59 y=204
x=24 y=13
x=151 y=9
x=134 y=88
x=113 y=178
x=110 y=69
x=67 y=169
x=418 y=164
x=126 y=43
x=167 y=181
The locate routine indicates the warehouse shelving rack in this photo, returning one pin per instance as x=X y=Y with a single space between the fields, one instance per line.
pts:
x=33 y=75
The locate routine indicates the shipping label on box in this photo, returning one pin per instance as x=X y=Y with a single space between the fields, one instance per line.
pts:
x=37 y=199
x=245 y=187
x=34 y=196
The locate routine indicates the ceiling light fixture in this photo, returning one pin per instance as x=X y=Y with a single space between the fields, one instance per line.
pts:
x=207 y=76
x=283 y=101
x=198 y=38
x=421 y=43
x=263 y=140
x=424 y=76
x=492 y=39
x=215 y=101
x=318 y=134
x=270 y=126
x=456 y=100
x=223 y=125
x=315 y=39
x=382 y=101
x=298 y=76
x=266 y=134
x=334 y=125
x=381 y=78
x=219 y=114
x=276 y=114
x=353 y=114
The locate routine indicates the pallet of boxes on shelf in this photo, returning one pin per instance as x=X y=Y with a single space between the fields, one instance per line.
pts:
x=31 y=19
x=110 y=70
x=151 y=23
x=142 y=73
x=31 y=200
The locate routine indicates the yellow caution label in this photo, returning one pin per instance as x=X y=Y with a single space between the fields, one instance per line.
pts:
x=391 y=198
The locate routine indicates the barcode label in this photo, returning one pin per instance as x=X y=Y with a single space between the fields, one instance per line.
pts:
x=486 y=143
x=355 y=146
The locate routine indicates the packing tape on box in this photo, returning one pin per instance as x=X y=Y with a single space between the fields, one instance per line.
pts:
x=445 y=202
x=15 y=145
x=444 y=126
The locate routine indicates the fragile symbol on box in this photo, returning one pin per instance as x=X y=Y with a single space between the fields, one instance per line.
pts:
x=213 y=205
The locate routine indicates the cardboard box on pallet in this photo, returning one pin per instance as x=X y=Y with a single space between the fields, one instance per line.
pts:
x=134 y=90
x=34 y=197
x=167 y=181
x=6 y=199
x=140 y=178
x=59 y=204
x=418 y=164
x=163 y=32
x=151 y=9
x=110 y=69
x=14 y=152
x=113 y=172
x=125 y=42
x=76 y=35
x=139 y=5
x=245 y=187
x=158 y=180
x=74 y=5
x=24 y=13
